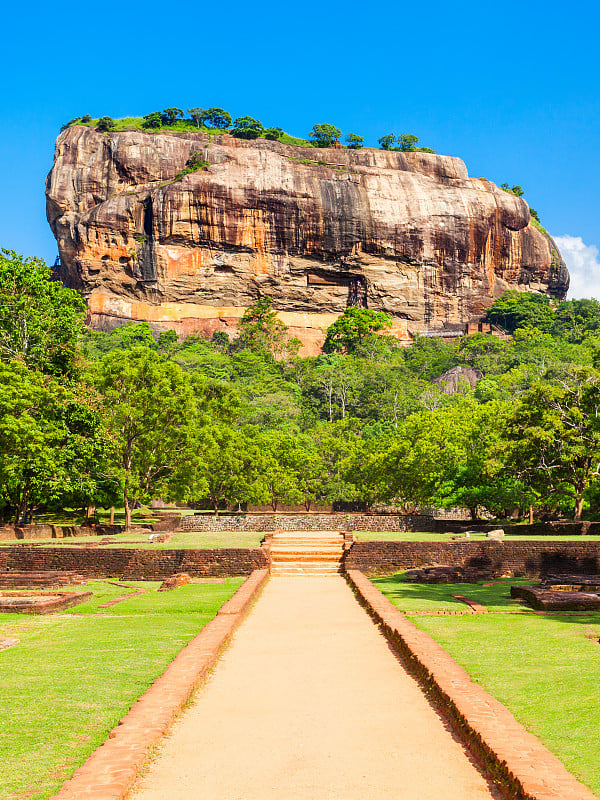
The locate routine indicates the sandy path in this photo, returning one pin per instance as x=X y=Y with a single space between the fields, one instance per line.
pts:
x=309 y=703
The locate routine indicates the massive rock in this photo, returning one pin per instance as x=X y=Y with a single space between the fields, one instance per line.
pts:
x=316 y=229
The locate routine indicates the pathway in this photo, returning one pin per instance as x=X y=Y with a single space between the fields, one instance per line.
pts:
x=309 y=703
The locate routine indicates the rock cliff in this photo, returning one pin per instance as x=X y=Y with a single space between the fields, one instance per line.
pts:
x=406 y=233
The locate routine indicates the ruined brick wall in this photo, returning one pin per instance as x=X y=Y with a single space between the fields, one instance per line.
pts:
x=131 y=563
x=530 y=558
x=563 y=528
x=309 y=522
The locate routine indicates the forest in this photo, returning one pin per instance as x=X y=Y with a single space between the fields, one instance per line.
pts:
x=88 y=417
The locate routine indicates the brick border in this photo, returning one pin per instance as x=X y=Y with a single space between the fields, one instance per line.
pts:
x=523 y=767
x=111 y=769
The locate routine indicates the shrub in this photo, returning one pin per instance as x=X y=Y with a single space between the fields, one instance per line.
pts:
x=69 y=123
x=171 y=115
x=104 y=124
x=354 y=142
x=152 y=120
x=273 y=133
x=197 y=116
x=247 y=128
x=325 y=135
x=194 y=163
x=387 y=142
x=216 y=118
x=407 y=142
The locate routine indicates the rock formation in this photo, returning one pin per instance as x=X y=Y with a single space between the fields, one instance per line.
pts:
x=316 y=229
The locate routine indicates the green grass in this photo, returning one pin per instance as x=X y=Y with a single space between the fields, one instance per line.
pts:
x=417 y=597
x=545 y=669
x=424 y=536
x=135 y=124
x=74 y=675
x=183 y=540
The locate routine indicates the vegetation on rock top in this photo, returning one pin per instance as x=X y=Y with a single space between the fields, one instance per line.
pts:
x=217 y=120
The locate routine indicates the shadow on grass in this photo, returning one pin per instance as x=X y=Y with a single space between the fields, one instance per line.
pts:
x=408 y=596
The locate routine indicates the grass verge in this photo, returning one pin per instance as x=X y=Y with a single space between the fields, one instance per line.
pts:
x=74 y=675
x=425 y=536
x=544 y=668
x=192 y=540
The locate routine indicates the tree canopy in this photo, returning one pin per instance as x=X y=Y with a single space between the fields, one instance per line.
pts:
x=325 y=135
x=239 y=417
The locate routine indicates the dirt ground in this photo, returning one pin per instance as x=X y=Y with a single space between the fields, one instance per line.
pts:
x=310 y=703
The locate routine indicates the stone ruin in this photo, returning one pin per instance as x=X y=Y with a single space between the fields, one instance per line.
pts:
x=41 y=579
x=36 y=592
x=441 y=573
x=40 y=602
x=561 y=593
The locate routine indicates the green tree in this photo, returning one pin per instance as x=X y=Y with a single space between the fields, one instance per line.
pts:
x=281 y=463
x=197 y=115
x=96 y=344
x=171 y=115
x=261 y=328
x=153 y=120
x=86 y=118
x=354 y=142
x=576 y=320
x=50 y=441
x=387 y=142
x=522 y=310
x=553 y=439
x=150 y=406
x=40 y=320
x=68 y=124
x=407 y=142
x=516 y=190
x=273 y=133
x=324 y=135
x=443 y=457
x=223 y=465
x=104 y=124
x=247 y=128
x=217 y=118
x=353 y=328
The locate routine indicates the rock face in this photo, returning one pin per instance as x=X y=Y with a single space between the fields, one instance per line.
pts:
x=406 y=233
x=459 y=379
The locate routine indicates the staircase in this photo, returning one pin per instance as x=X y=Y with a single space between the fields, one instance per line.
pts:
x=306 y=553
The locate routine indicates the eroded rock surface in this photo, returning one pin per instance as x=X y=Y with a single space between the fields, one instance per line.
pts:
x=406 y=233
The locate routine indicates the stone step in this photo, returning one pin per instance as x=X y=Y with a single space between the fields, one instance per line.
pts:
x=316 y=542
x=304 y=548
x=304 y=569
x=282 y=558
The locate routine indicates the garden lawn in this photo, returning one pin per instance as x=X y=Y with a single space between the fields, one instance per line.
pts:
x=192 y=540
x=425 y=536
x=74 y=675
x=545 y=669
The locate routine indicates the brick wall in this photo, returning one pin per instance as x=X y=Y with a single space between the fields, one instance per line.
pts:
x=564 y=528
x=131 y=563
x=532 y=558
x=308 y=522
x=10 y=532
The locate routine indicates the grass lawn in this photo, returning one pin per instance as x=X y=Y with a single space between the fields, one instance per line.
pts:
x=74 y=675
x=425 y=536
x=545 y=669
x=184 y=540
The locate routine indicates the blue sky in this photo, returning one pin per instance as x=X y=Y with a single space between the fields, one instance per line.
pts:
x=511 y=88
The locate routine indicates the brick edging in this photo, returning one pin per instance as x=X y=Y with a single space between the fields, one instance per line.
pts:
x=111 y=769
x=514 y=757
